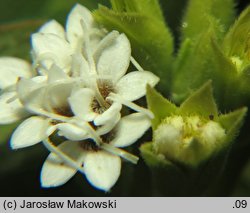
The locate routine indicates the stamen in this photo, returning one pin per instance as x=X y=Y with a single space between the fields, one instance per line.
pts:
x=12 y=99
x=119 y=152
x=54 y=149
x=10 y=88
x=41 y=112
x=116 y=98
x=93 y=134
x=110 y=148
x=92 y=66
x=136 y=64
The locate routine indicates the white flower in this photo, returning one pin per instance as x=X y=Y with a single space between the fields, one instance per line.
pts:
x=11 y=69
x=53 y=45
x=78 y=94
x=108 y=86
x=101 y=168
x=47 y=100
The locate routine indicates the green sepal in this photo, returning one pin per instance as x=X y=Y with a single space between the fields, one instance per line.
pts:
x=167 y=178
x=151 y=40
x=225 y=70
x=201 y=103
x=194 y=65
x=232 y=123
x=152 y=159
x=172 y=179
x=160 y=106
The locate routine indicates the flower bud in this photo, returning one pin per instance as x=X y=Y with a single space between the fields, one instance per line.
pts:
x=188 y=139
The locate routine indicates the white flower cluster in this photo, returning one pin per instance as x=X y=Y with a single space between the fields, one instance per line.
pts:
x=76 y=88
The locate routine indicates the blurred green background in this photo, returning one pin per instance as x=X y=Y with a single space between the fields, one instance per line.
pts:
x=20 y=170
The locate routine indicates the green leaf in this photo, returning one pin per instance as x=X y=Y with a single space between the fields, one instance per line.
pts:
x=225 y=79
x=230 y=76
x=196 y=19
x=232 y=122
x=173 y=12
x=200 y=102
x=224 y=66
x=193 y=66
x=151 y=41
x=148 y=7
x=237 y=40
x=160 y=106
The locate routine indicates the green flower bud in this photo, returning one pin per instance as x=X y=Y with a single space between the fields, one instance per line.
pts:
x=190 y=142
x=193 y=132
x=188 y=139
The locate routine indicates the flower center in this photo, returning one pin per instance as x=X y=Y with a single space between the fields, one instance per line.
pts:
x=96 y=107
x=64 y=111
x=90 y=145
x=105 y=87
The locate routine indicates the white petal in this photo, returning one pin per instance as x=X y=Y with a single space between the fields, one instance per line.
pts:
x=29 y=132
x=108 y=115
x=50 y=48
x=39 y=79
x=133 y=85
x=29 y=91
x=80 y=67
x=11 y=69
x=58 y=96
x=54 y=171
x=10 y=111
x=73 y=26
x=107 y=127
x=115 y=58
x=80 y=103
x=102 y=169
x=53 y=27
x=130 y=129
x=96 y=36
x=56 y=74
x=72 y=132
